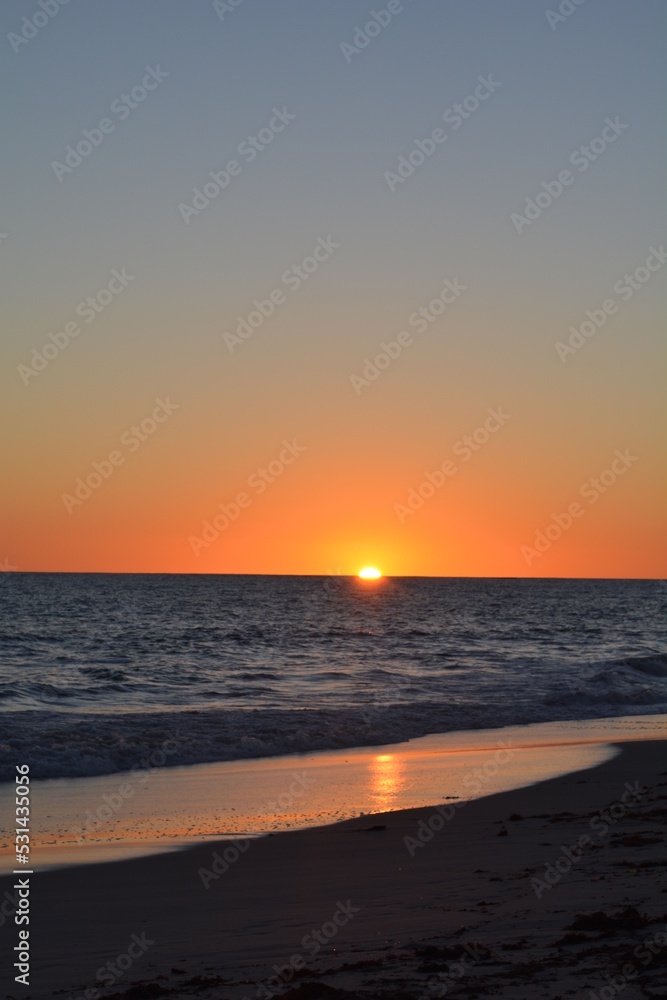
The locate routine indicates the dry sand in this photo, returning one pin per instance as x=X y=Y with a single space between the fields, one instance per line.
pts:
x=460 y=915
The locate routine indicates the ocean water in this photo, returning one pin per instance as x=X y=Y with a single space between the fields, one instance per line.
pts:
x=99 y=672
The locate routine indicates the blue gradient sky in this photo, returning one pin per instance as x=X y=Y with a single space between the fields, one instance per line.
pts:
x=324 y=176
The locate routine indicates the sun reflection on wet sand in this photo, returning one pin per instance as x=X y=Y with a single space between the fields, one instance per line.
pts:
x=72 y=821
x=387 y=780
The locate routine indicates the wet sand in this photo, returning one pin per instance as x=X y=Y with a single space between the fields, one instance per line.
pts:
x=154 y=808
x=544 y=891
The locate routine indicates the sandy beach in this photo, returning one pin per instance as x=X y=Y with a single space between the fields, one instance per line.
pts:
x=555 y=890
x=156 y=807
x=333 y=576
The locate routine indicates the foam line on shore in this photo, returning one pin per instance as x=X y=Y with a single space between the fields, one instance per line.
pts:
x=77 y=821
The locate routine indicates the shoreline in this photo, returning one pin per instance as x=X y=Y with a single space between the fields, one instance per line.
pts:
x=467 y=885
x=107 y=744
x=460 y=884
x=88 y=820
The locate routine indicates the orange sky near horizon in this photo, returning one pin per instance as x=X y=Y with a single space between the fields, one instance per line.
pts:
x=472 y=521
x=398 y=373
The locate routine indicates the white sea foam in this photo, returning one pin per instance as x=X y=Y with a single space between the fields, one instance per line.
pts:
x=97 y=672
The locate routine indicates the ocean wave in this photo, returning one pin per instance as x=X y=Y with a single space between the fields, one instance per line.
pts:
x=105 y=673
x=655 y=665
x=236 y=667
x=58 y=745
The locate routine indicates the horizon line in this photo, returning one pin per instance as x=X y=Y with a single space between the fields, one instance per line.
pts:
x=353 y=576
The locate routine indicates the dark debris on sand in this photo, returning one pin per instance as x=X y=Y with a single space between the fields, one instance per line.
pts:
x=318 y=991
x=156 y=991
x=629 y=919
x=509 y=962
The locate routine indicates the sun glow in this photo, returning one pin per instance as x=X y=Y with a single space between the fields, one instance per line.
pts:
x=370 y=573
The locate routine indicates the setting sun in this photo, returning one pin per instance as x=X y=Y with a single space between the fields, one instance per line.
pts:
x=370 y=573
